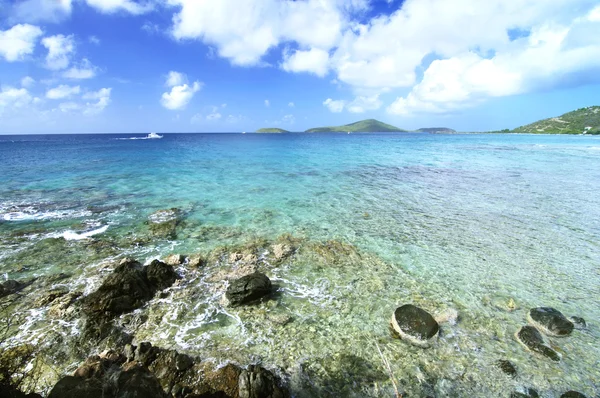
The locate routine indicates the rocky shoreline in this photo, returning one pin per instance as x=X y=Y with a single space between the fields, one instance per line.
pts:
x=107 y=352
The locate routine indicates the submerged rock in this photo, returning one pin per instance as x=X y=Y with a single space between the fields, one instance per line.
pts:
x=175 y=259
x=507 y=367
x=256 y=382
x=529 y=393
x=532 y=339
x=163 y=223
x=449 y=315
x=550 y=321
x=248 y=288
x=10 y=286
x=414 y=325
x=578 y=322
x=281 y=251
x=572 y=394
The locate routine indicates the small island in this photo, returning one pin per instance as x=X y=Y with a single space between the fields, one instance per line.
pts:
x=362 y=126
x=272 y=130
x=436 y=130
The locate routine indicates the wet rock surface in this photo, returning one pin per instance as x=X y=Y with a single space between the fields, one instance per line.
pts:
x=414 y=325
x=550 y=321
x=578 y=322
x=533 y=340
x=572 y=394
x=507 y=367
x=248 y=288
x=163 y=223
x=11 y=286
x=529 y=393
x=129 y=287
x=148 y=371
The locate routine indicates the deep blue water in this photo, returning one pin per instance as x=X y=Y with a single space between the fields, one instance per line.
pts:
x=473 y=220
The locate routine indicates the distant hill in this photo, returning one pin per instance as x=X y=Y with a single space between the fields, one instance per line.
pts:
x=271 y=130
x=436 y=130
x=581 y=121
x=363 y=126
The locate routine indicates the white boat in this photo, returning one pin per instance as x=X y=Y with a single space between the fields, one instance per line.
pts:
x=153 y=136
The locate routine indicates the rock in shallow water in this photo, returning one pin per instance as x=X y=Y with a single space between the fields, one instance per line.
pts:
x=550 y=321
x=414 y=325
x=578 y=322
x=572 y=394
x=248 y=288
x=532 y=339
x=507 y=367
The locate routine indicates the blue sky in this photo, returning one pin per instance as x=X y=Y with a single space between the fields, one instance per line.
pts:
x=120 y=66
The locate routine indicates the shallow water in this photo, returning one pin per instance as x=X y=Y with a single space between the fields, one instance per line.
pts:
x=443 y=221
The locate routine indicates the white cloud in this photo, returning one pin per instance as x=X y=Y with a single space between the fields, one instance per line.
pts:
x=288 y=119
x=243 y=31
x=291 y=105
x=102 y=98
x=175 y=79
x=27 y=81
x=313 y=61
x=85 y=70
x=213 y=116
x=18 y=41
x=60 y=48
x=362 y=104
x=113 y=6
x=181 y=93
x=267 y=103
x=62 y=91
x=13 y=97
x=99 y=100
x=473 y=42
x=335 y=106
x=42 y=10
x=94 y=40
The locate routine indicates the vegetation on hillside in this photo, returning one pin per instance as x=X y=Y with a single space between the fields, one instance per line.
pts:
x=580 y=121
x=271 y=130
x=362 y=126
x=436 y=130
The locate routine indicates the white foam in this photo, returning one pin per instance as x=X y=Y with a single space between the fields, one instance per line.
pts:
x=31 y=214
x=70 y=235
x=151 y=136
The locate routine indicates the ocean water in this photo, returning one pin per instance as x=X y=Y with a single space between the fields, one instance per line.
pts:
x=488 y=225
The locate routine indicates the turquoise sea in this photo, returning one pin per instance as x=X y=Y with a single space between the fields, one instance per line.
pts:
x=487 y=225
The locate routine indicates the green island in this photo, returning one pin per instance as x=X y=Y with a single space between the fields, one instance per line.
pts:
x=362 y=126
x=580 y=121
x=272 y=130
x=436 y=130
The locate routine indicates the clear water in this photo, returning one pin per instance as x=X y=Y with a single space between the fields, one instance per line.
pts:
x=443 y=221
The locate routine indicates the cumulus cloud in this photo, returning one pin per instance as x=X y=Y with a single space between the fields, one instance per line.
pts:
x=113 y=6
x=448 y=53
x=18 y=41
x=85 y=70
x=362 y=104
x=11 y=97
x=244 y=31
x=291 y=105
x=313 y=61
x=42 y=10
x=335 y=106
x=101 y=98
x=181 y=93
x=98 y=101
x=27 y=81
x=213 y=116
x=60 y=48
x=62 y=91
x=267 y=103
